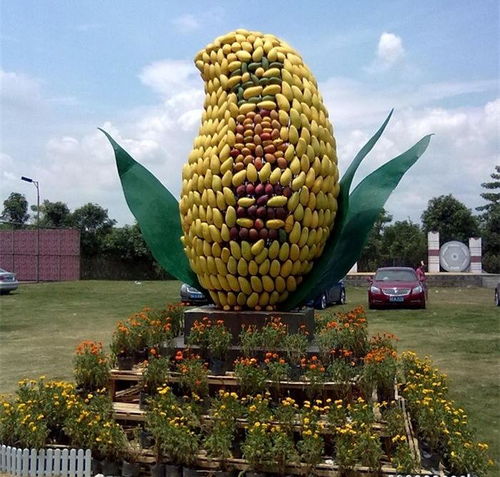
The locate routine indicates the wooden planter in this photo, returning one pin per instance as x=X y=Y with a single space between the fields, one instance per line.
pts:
x=120 y=378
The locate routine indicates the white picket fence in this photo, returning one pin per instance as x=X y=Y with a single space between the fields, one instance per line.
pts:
x=45 y=462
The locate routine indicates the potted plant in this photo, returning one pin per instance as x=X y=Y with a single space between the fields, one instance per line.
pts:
x=121 y=346
x=315 y=374
x=193 y=375
x=343 y=370
x=295 y=346
x=91 y=366
x=160 y=334
x=310 y=448
x=175 y=313
x=250 y=341
x=219 y=340
x=272 y=334
x=283 y=449
x=220 y=429
x=218 y=442
x=199 y=335
x=252 y=376
x=277 y=369
x=180 y=443
x=130 y=464
x=311 y=444
x=257 y=448
x=156 y=373
x=111 y=445
x=163 y=407
x=379 y=371
x=345 y=331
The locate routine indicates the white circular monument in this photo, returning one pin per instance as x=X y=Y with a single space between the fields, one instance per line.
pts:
x=454 y=256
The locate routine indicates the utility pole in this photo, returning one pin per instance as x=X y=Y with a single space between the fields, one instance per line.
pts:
x=36 y=184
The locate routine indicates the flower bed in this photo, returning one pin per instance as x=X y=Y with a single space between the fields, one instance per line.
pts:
x=286 y=407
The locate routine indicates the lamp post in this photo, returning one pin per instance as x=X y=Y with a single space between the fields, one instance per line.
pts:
x=36 y=184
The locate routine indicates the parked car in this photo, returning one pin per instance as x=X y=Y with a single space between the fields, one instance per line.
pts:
x=8 y=281
x=334 y=295
x=192 y=296
x=396 y=286
x=497 y=294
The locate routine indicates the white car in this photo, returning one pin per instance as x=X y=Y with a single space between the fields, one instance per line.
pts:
x=8 y=281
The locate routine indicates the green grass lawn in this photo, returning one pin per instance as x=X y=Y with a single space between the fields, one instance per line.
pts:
x=41 y=324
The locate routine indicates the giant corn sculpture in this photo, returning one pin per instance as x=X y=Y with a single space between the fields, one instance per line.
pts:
x=260 y=188
x=261 y=199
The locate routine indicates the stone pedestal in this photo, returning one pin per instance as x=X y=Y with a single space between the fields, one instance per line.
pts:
x=433 y=252
x=234 y=320
x=475 y=255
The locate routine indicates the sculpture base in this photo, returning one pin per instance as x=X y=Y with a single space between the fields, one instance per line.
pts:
x=235 y=320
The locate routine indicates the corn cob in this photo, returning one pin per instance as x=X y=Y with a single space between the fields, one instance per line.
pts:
x=259 y=192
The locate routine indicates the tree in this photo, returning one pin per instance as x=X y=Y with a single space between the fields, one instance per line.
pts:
x=452 y=219
x=92 y=218
x=127 y=243
x=94 y=225
x=493 y=198
x=405 y=243
x=490 y=224
x=54 y=214
x=372 y=256
x=15 y=209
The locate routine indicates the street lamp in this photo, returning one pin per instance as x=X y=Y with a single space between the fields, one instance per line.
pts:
x=35 y=183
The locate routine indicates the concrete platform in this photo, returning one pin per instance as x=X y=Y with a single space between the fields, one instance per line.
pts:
x=234 y=320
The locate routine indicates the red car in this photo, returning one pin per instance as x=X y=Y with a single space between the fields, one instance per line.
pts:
x=396 y=286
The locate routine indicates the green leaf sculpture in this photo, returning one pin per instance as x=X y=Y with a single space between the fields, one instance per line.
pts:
x=360 y=210
x=157 y=213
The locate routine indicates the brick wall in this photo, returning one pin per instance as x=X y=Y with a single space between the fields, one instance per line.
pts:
x=59 y=254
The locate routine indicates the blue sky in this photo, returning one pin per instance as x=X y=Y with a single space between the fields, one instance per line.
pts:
x=70 y=67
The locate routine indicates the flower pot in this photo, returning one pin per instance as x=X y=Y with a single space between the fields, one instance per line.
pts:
x=165 y=350
x=217 y=367
x=141 y=355
x=189 y=472
x=130 y=469
x=95 y=466
x=173 y=470
x=110 y=468
x=157 y=470
x=82 y=390
x=430 y=460
x=143 y=400
x=146 y=439
x=125 y=362
x=296 y=372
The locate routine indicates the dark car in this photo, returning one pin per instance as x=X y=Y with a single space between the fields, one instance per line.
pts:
x=497 y=294
x=8 y=282
x=396 y=286
x=193 y=296
x=334 y=295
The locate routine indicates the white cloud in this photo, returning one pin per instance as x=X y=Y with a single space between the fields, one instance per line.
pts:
x=79 y=167
x=186 y=23
x=19 y=92
x=461 y=155
x=390 y=48
x=389 y=54
x=169 y=77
